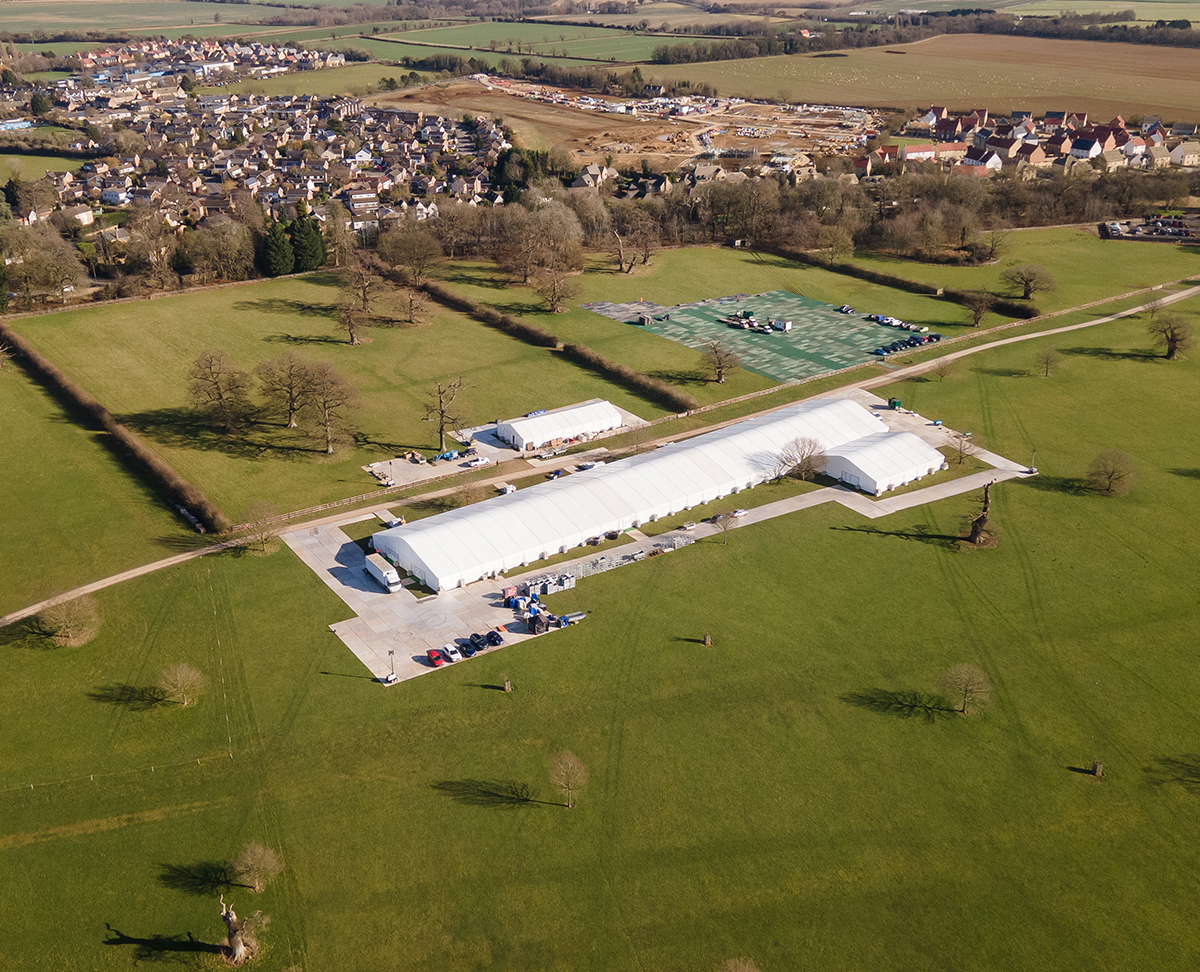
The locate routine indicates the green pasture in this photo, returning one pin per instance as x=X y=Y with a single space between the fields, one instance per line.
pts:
x=119 y=15
x=581 y=41
x=30 y=167
x=135 y=358
x=71 y=512
x=674 y=14
x=353 y=79
x=763 y=797
x=1084 y=267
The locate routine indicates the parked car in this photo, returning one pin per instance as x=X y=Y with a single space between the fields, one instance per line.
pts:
x=478 y=641
x=934 y=338
x=435 y=658
x=556 y=474
x=738 y=513
x=914 y=342
x=452 y=653
x=468 y=650
x=585 y=466
x=494 y=639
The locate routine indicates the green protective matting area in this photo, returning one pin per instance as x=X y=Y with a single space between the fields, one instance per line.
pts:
x=822 y=338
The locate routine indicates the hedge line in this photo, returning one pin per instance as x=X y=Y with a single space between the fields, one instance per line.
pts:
x=622 y=374
x=159 y=472
x=635 y=380
x=1009 y=308
x=490 y=316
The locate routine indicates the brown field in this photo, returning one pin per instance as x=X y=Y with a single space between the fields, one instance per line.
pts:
x=537 y=125
x=974 y=71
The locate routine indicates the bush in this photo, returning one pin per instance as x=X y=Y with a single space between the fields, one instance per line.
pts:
x=161 y=473
x=490 y=316
x=863 y=273
x=1009 y=308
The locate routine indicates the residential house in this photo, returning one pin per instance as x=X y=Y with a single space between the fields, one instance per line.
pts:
x=1186 y=153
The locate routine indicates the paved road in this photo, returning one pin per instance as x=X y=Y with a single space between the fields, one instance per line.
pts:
x=868 y=383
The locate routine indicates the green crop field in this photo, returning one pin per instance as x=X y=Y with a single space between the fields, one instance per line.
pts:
x=673 y=14
x=117 y=15
x=545 y=38
x=29 y=167
x=354 y=79
x=143 y=379
x=760 y=798
x=1085 y=267
x=968 y=70
x=71 y=512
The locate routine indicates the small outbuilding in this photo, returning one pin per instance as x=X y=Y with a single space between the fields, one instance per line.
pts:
x=552 y=427
x=887 y=460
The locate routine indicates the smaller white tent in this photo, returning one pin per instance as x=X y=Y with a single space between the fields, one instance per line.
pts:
x=887 y=460
x=556 y=425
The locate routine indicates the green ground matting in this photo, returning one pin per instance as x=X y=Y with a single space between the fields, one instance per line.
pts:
x=822 y=338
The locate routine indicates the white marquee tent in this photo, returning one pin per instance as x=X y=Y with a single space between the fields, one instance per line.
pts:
x=886 y=460
x=461 y=546
x=535 y=431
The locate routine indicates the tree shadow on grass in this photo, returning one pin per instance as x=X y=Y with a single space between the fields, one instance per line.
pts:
x=496 y=794
x=904 y=704
x=1070 y=485
x=435 y=504
x=160 y=948
x=27 y=633
x=1183 y=769
x=919 y=533
x=680 y=376
x=135 y=698
x=478 y=277
x=1185 y=473
x=1111 y=354
x=205 y=879
x=187 y=429
x=185 y=542
x=1004 y=372
x=304 y=339
x=282 y=305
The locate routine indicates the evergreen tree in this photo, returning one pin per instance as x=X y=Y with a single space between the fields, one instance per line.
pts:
x=308 y=244
x=278 y=257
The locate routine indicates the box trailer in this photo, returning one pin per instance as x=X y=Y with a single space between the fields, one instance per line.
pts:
x=383 y=572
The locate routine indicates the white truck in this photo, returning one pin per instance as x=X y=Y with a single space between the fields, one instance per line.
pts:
x=383 y=572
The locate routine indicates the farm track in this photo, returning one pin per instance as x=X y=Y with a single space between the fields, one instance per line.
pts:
x=867 y=383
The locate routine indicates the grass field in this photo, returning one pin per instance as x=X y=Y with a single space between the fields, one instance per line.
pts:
x=117 y=15
x=968 y=70
x=1085 y=267
x=546 y=38
x=674 y=14
x=71 y=512
x=146 y=382
x=744 y=800
x=354 y=79
x=31 y=167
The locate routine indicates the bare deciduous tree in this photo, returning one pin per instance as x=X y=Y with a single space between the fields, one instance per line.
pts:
x=964 y=448
x=216 y=386
x=1112 y=472
x=332 y=399
x=440 y=408
x=414 y=307
x=724 y=522
x=994 y=243
x=1047 y=359
x=1030 y=279
x=71 y=623
x=836 y=244
x=569 y=774
x=263 y=523
x=722 y=360
x=256 y=866
x=1171 y=333
x=1154 y=306
x=555 y=285
x=968 y=687
x=979 y=304
x=286 y=381
x=802 y=458
x=242 y=945
x=411 y=248
x=6 y=354
x=352 y=319
x=181 y=683
x=944 y=368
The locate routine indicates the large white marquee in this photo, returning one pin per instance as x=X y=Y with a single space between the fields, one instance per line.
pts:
x=505 y=532
x=877 y=463
x=535 y=431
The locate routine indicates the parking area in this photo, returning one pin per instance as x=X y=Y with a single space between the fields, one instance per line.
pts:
x=822 y=338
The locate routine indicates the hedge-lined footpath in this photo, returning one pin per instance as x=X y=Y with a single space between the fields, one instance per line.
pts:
x=159 y=472
x=636 y=381
x=1009 y=308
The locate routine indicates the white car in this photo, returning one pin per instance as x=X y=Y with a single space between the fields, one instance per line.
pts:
x=479 y=461
x=452 y=653
x=736 y=514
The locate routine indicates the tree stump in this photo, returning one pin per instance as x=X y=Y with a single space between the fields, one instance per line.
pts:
x=707 y=640
x=507 y=685
x=1098 y=770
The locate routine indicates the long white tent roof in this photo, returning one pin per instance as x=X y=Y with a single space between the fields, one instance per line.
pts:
x=884 y=461
x=499 y=534
x=562 y=423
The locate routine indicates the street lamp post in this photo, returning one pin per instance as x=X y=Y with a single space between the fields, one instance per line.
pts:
x=392 y=659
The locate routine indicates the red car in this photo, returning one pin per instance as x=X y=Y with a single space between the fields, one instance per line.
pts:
x=436 y=658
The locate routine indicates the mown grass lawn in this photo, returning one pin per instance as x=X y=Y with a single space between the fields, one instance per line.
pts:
x=70 y=512
x=1084 y=267
x=33 y=167
x=135 y=359
x=742 y=801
